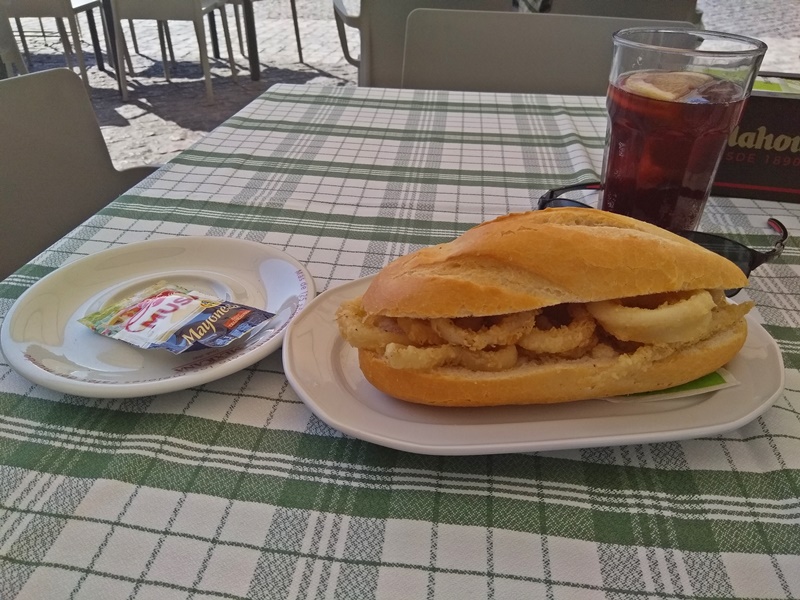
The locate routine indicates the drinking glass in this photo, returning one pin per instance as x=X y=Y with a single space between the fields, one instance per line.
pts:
x=674 y=97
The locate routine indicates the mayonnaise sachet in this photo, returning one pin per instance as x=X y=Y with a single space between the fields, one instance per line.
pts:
x=176 y=319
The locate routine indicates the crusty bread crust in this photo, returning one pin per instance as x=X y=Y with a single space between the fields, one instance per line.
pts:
x=555 y=381
x=541 y=258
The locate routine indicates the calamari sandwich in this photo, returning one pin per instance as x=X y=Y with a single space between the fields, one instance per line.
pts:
x=546 y=306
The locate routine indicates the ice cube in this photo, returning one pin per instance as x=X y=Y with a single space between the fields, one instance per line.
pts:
x=719 y=91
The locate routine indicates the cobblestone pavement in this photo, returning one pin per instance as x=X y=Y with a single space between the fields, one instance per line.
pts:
x=162 y=118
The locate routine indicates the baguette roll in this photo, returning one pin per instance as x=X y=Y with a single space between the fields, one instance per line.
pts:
x=546 y=306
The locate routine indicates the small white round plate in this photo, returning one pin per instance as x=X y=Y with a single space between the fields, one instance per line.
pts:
x=323 y=370
x=42 y=339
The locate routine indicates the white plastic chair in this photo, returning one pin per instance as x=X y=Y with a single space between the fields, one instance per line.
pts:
x=10 y=56
x=382 y=25
x=172 y=10
x=517 y=52
x=55 y=168
x=62 y=9
x=671 y=10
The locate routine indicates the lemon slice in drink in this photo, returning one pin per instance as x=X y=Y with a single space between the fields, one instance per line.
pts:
x=670 y=86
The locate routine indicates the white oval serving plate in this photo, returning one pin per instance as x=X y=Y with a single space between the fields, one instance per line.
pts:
x=323 y=370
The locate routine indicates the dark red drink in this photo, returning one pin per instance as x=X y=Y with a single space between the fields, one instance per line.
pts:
x=667 y=134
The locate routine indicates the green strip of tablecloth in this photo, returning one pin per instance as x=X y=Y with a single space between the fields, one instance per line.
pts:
x=520 y=104
x=329 y=130
x=606 y=503
x=375 y=173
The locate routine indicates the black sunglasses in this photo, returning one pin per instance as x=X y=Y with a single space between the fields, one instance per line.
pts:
x=742 y=256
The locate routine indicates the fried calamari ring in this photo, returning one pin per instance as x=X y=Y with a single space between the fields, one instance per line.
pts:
x=362 y=332
x=400 y=356
x=678 y=317
x=488 y=360
x=419 y=331
x=558 y=340
x=505 y=332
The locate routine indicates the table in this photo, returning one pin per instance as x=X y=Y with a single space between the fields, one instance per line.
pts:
x=234 y=490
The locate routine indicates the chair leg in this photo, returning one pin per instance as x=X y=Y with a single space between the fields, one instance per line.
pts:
x=162 y=43
x=126 y=55
x=133 y=36
x=11 y=59
x=76 y=37
x=239 y=33
x=24 y=42
x=224 y=14
x=168 y=37
x=199 y=30
x=22 y=68
x=62 y=32
x=121 y=50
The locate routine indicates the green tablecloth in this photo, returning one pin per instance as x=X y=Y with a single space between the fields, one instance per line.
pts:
x=234 y=490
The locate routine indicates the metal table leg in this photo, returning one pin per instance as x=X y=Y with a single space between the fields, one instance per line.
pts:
x=111 y=32
x=98 y=54
x=297 y=30
x=108 y=15
x=212 y=28
x=252 y=43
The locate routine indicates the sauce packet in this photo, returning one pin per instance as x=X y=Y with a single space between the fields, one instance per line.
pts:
x=175 y=319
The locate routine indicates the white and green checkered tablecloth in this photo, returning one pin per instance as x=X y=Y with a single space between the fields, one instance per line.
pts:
x=234 y=490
